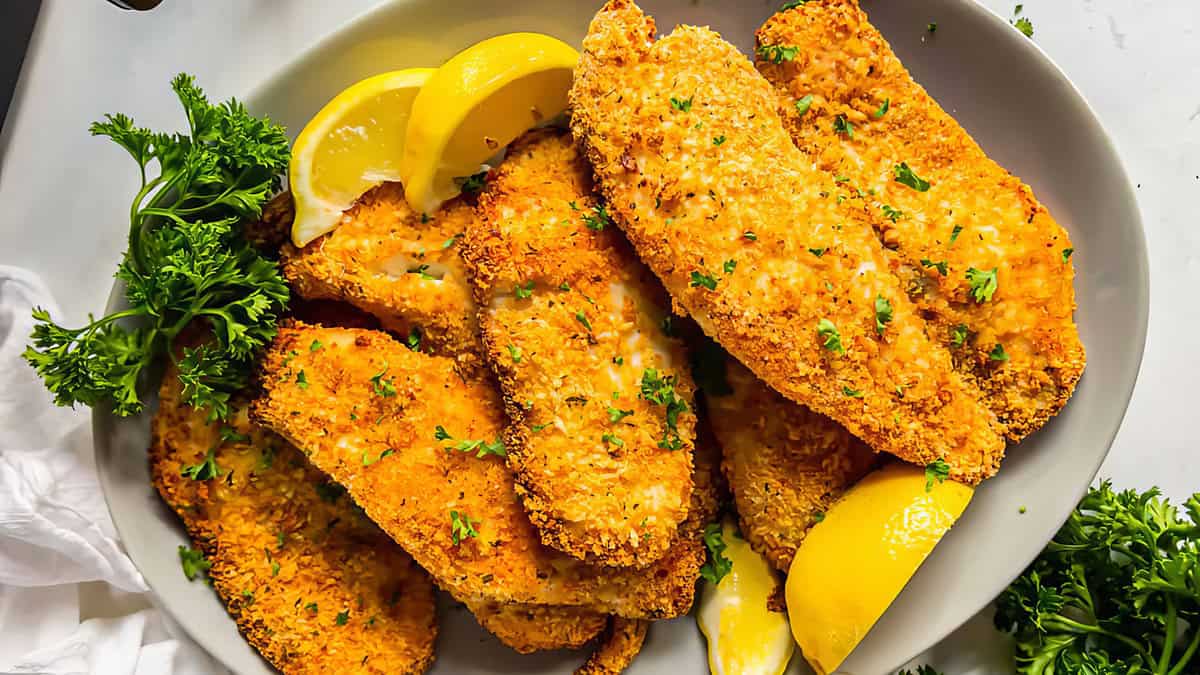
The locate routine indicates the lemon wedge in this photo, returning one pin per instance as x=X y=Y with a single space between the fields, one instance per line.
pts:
x=353 y=144
x=744 y=635
x=854 y=563
x=475 y=104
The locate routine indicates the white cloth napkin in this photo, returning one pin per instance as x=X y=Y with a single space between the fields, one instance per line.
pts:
x=56 y=534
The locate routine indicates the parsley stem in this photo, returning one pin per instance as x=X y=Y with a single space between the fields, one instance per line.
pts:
x=1168 y=646
x=1187 y=654
x=1075 y=626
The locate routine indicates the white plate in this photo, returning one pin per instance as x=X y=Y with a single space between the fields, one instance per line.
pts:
x=997 y=83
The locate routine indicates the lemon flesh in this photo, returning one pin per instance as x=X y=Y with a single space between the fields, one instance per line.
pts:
x=852 y=565
x=476 y=104
x=744 y=636
x=353 y=144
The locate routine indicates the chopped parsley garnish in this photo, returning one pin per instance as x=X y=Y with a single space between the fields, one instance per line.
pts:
x=955 y=232
x=682 y=104
x=480 y=447
x=792 y=5
x=538 y=427
x=706 y=280
x=729 y=266
x=803 y=104
x=461 y=527
x=941 y=266
x=883 y=313
x=311 y=607
x=193 y=562
x=937 y=470
x=423 y=272
x=598 y=218
x=958 y=335
x=342 y=617
x=841 y=125
x=983 y=284
x=1024 y=25
x=616 y=415
x=890 y=213
x=523 y=291
x=1066 y=254
x=473 y=184
x=316 y=345
x=301 y=380
x=451 y=241
x=718 y=140
x=440 y=433
x=330 y=492
x=818 y=251
x=660 y=390
x=903 y=174
x=883 y=108
x=931 y=26
x=205 y=470
x=583 y=320
x=829 y=333
x=515 y=353
x=274 y=569
x=852 y=393
x=778 y=53
x=381 y=386
x=619 y=360
x=749 y=235
x=998 y=353
x=717 y=566
x=818 y=516
x=368 y=460
x=612 y=440
x=413 y=341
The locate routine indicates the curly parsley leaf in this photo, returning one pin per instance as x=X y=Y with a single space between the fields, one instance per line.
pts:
x=777 y=53
x=883 y=313
x=193 y=562
x=983 y=284
x=832 y=339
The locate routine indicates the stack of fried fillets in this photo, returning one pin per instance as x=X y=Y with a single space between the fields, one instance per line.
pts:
x=509 y=412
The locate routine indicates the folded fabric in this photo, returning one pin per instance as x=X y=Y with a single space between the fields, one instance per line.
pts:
x=55 y=532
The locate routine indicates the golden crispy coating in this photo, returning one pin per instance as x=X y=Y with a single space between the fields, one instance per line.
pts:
x=784 y=463
x=312 y=584
x=399 y=265
x=749 y=239
x=533 y=628
x=974 y=214
x=602 y=473
x=621 y=644
x=385 y=421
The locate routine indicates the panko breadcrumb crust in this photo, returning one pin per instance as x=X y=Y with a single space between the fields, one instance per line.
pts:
x=597 y=483
x=398 y=264
x=367 y=410
x=312 y=584
x=620 y=644
x=975 y=214
x=785 y=465
x=751 y=240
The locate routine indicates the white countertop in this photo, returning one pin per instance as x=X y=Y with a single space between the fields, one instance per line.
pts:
x=1136 y=61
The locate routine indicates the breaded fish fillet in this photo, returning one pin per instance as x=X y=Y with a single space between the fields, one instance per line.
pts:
x=749 y=239
x=620 y=645
x=399 y=265
x=601 y=429
x=784 y=463
x=312 y=584
x=420 y=451
x=534 y=628
x=967 y=222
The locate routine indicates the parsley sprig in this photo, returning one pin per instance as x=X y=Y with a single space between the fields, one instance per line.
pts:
x=717 y=566
x=186 y=260
x=1116 y=591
